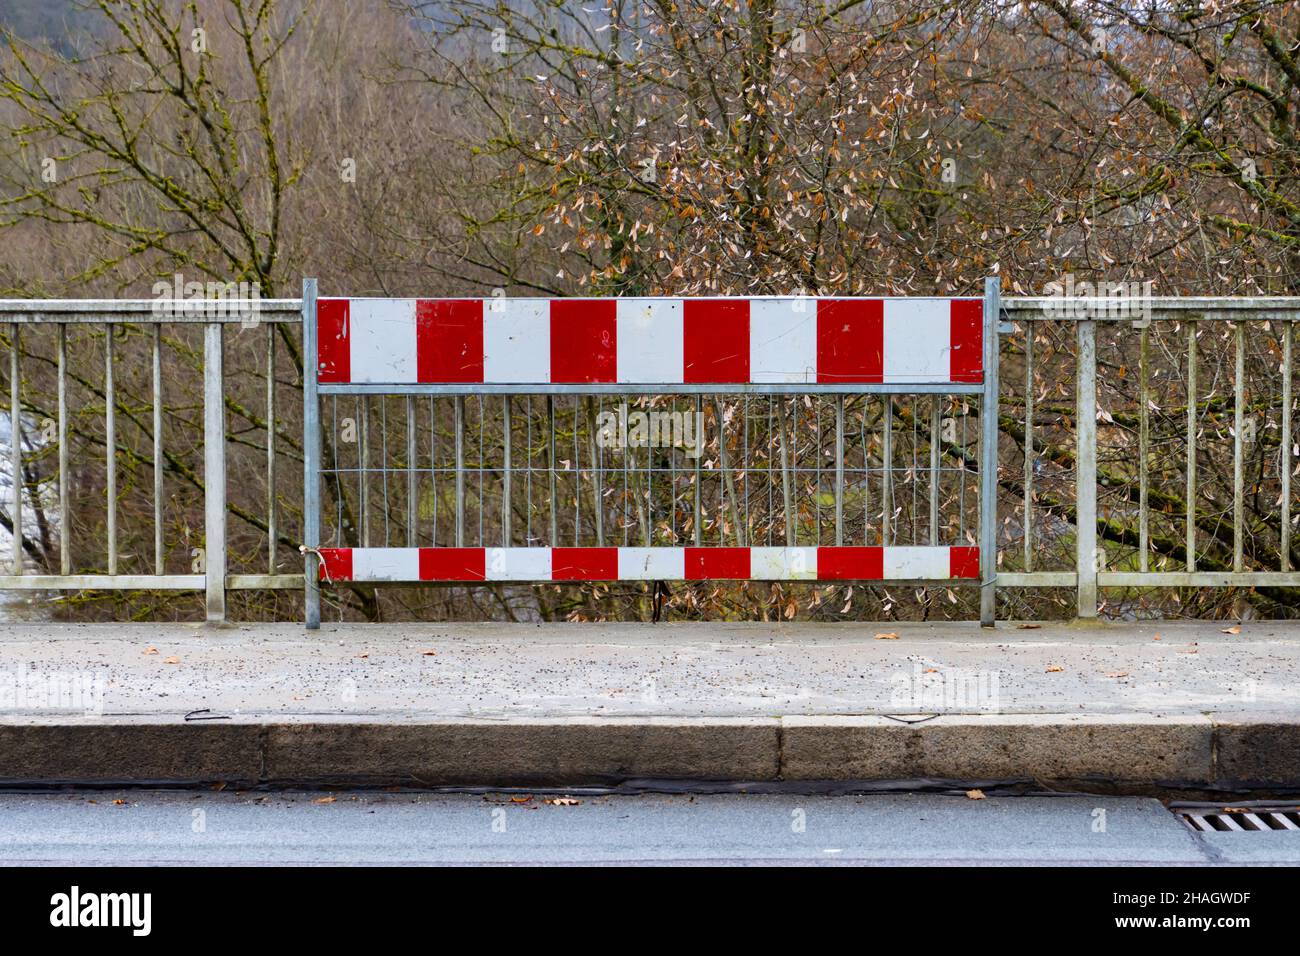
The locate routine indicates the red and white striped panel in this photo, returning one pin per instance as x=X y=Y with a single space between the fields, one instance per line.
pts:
x=649 y=564
x=650 y=341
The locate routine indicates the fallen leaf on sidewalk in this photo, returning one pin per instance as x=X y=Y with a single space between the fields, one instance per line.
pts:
x=1235 y=629
x=325 y=800
x=1029 y=627
x=1156 y=638
x=428 y=653
x=363 y=656
x=151 y=650
x=172 y=660
x=889 y=636
x=524 y=799
x=1054 y=669
x=1118 y=674
x=119 y=803
x=975 y=794
x=563 y=802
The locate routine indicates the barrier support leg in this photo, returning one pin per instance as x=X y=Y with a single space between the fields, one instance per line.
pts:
x=311 y=446
x=989 y=456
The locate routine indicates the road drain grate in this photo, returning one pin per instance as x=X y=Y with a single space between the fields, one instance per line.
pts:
x=1240 y=819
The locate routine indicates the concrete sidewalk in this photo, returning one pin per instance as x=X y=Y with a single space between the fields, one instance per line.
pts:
x=1176 y=706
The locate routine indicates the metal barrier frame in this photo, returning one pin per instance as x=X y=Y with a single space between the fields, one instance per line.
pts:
x=986 y=389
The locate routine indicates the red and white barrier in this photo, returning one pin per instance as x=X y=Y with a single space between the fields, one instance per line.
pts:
x=649 y=564
x=650 y=341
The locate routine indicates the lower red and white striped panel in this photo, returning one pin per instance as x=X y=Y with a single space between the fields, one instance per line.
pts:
x=649 y=564
x=650 y=341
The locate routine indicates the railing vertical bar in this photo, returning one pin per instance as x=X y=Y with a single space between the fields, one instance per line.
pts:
x=1191 y=446
x=433 y=470
x=65 y=512
x=628 y=506
x=214 y=471
x=156 y=357
x=1284 y=455
x=481 y=403
x=936 y=427
x=1086 y=478
x=15 y=450
x=816 y=469
x=649 y=522
x=384 y=461
x=272 y=531
x=110 y=446
x=550 y=471
x=339 y=529
x=507 y=441
x=769 y=472
x=412 y=510
x=745 y=458
x=863 y=405
x=786 y=495
x=577 y=472
x=1144 y=450
x=698 y=432
x=1029 y=447
x=460 y=470
x=311 y=457
x=839 y=470
x=887 y=478
x=913 y=475
x=363 y=471
x=989 y=453
x=528 y=470
x=596 y=484
x=1238 y=466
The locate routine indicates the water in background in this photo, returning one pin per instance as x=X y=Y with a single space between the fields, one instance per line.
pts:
x=21 y=606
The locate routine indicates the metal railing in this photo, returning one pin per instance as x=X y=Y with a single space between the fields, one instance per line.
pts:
x=1228 y=528
x=1134 y=453
x=160 y=335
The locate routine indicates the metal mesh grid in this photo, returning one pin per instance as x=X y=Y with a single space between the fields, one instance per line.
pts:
x=607 y=470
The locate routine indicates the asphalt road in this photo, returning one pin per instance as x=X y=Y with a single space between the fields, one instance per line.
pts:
x=85 y=828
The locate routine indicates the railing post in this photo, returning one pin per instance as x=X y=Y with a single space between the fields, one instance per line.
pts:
x=15 y=451
x=214 y=472
x=988 y=536
x=1086 y=458
x=311 y=447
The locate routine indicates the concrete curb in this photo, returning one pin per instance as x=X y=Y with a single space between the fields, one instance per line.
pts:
x=1136 y=751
